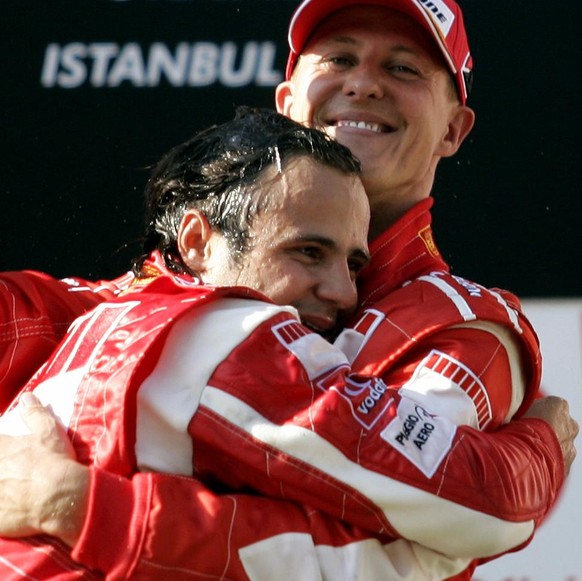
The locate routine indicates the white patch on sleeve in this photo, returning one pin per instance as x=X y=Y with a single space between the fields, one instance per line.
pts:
x=424 y=439
x=449 y=389
x=315 y=353
x=352 y=341
x=292 y=553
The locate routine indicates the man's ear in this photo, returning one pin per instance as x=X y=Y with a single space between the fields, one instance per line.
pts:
x=460 y=125
x=193 y=240
x=284 y=97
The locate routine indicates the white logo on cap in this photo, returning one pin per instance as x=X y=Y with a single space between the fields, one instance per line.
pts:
x=440 y=14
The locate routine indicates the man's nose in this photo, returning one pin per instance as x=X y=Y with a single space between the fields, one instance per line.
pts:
x=338 y=286
x=363 y=82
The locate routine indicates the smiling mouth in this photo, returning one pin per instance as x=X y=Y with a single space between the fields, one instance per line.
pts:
x=366 y=125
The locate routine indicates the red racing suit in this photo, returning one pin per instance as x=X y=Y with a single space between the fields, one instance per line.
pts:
x=429 y=471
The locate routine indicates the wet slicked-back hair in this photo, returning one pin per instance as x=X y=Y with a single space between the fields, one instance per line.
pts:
x=216 y=171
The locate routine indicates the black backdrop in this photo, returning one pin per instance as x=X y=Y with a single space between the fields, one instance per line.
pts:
x=82 y=115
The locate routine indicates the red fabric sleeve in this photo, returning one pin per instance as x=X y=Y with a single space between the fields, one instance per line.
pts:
x=520 y=466
x=35 y=312
x=549 y=449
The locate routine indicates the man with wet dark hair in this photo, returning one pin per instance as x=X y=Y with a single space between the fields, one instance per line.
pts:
x=254 y=213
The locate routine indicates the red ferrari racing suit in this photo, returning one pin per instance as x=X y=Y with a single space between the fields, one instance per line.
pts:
x=329 y=443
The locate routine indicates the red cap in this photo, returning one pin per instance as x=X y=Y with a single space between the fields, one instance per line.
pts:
x=442 y=19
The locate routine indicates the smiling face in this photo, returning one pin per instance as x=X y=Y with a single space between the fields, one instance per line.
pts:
x=306 y=248
x=372 y=78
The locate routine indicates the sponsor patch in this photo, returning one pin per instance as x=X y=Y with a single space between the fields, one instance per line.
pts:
x=423 y=438
x=368 y=398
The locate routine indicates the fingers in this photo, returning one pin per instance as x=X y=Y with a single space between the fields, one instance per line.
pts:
x=556 y=412
x=38 y=419
x=42 y=423
x=567 y=443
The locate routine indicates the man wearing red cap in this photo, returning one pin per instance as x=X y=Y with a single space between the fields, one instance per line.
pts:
x=390 y=80
x=376 y=77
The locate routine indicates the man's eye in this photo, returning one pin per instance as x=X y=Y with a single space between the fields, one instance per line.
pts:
x=403 y=70
x=312 y=252
x=339 y=61
x=356 y=266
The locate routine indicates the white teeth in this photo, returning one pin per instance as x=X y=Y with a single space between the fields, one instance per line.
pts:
x=361 y=125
